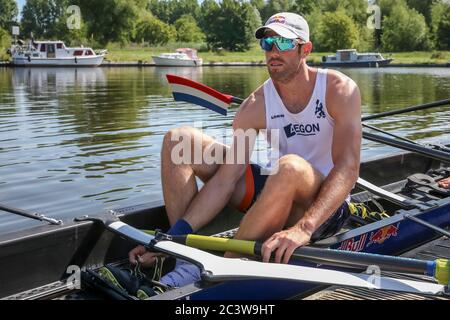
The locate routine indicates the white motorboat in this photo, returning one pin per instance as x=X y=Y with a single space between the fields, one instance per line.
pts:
x=54 y=53
x=351 y=58
x=183 y=57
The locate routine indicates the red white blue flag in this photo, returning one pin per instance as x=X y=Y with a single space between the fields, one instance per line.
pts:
x=194 y=92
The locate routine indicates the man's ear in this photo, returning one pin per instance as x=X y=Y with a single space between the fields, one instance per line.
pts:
x=307 y=48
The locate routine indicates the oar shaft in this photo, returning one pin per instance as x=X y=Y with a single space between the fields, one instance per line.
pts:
x=435 y=154
x=340 y=258
x=410 y=109
x=35 y=216
x=364 y=260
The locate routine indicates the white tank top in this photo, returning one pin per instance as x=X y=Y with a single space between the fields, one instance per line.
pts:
x=308 y=134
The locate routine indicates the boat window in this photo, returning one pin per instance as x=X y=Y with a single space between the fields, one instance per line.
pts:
x=89 y=53
x=43 y=47
x=59 y=45
x=333 y=58
x=78 y=53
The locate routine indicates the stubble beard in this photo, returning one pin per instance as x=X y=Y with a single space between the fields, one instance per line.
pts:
x=285 y=76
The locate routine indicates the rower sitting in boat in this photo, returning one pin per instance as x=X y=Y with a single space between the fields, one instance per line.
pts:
x=305 y=197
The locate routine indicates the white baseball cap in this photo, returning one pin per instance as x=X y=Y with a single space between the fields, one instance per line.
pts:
x=286 y=24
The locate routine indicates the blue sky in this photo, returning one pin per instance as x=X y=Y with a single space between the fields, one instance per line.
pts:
x=20 y=3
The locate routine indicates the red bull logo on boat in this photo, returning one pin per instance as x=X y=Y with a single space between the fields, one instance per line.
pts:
x=277 y=19
x=353 y=244
x=383 y=234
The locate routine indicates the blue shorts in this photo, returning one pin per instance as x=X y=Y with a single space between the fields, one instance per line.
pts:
x=254 y=184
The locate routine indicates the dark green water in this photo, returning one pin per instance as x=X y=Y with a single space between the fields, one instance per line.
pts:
x=81 y=141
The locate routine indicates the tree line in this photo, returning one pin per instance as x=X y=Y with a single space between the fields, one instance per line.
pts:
x=406 y=25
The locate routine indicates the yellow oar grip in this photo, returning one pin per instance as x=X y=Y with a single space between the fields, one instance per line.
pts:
x=442 y=271
x=217 y=244
x=221 y=244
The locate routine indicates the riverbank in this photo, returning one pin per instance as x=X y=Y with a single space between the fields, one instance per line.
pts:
x=142 y=57
x=255 y=56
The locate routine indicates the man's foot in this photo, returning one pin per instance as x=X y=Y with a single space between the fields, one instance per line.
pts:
x=183 y=274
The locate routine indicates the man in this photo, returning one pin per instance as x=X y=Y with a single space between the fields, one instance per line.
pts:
x=317 y=113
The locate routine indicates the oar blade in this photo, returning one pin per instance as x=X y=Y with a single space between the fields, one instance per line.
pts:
x=190 y=91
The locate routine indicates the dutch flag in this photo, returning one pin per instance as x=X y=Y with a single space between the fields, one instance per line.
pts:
x=196 y=93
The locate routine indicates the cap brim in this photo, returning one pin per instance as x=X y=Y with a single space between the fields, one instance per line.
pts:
x=280 y=29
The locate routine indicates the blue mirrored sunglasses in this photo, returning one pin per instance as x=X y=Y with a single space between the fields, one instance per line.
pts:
x=283 y=44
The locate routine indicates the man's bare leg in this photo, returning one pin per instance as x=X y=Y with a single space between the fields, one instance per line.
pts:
x=283 y=201
x=179 y=180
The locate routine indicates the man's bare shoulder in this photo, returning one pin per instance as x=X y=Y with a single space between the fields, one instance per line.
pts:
x=342 y=93
x=339 y=83
x=252 y=112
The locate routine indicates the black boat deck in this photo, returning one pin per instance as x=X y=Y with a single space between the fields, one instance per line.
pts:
x=439 y=248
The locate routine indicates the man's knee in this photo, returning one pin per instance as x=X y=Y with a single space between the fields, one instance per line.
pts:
x=292 y=166
x=175 y=135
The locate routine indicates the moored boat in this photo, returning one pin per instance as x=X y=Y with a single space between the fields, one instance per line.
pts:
x=183 y=57
x=54 y=54
x=351 y=58
x=52 y=250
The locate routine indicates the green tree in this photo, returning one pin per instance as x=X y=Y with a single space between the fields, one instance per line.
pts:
x=5 y=43
x=42 y=17
x=405 y=30
x=153 y=31
x=230 y=24
x=110 y=20
x=8 y=13
x=48 y=19
x=275 y=6
x=443 y=29
x=171 y=10
x=337 y=31
x=304 y=7
x=188 y=30
x=423 y=7
x=355 y=9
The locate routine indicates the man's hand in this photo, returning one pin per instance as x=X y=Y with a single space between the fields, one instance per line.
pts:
x=284 y=243
x=146 y=258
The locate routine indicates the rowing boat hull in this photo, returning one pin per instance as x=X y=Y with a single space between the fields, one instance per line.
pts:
x=50 y=250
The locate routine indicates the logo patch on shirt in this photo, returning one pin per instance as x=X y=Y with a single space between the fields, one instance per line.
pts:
x=277 y=116
x=319 y=110
x=292 y=130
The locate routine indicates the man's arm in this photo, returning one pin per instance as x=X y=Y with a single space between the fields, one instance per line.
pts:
x=344 y=105
x=217 y=192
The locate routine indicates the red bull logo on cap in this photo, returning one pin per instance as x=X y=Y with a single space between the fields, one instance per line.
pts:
x=381 y=235
x=277 y=19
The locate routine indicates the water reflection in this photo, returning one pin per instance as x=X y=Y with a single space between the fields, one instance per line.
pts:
x=79 y=141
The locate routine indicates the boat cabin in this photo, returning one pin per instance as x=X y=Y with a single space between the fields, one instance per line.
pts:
x=54 y=49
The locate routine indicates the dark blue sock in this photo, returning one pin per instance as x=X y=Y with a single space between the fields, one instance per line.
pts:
x=181 y=227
